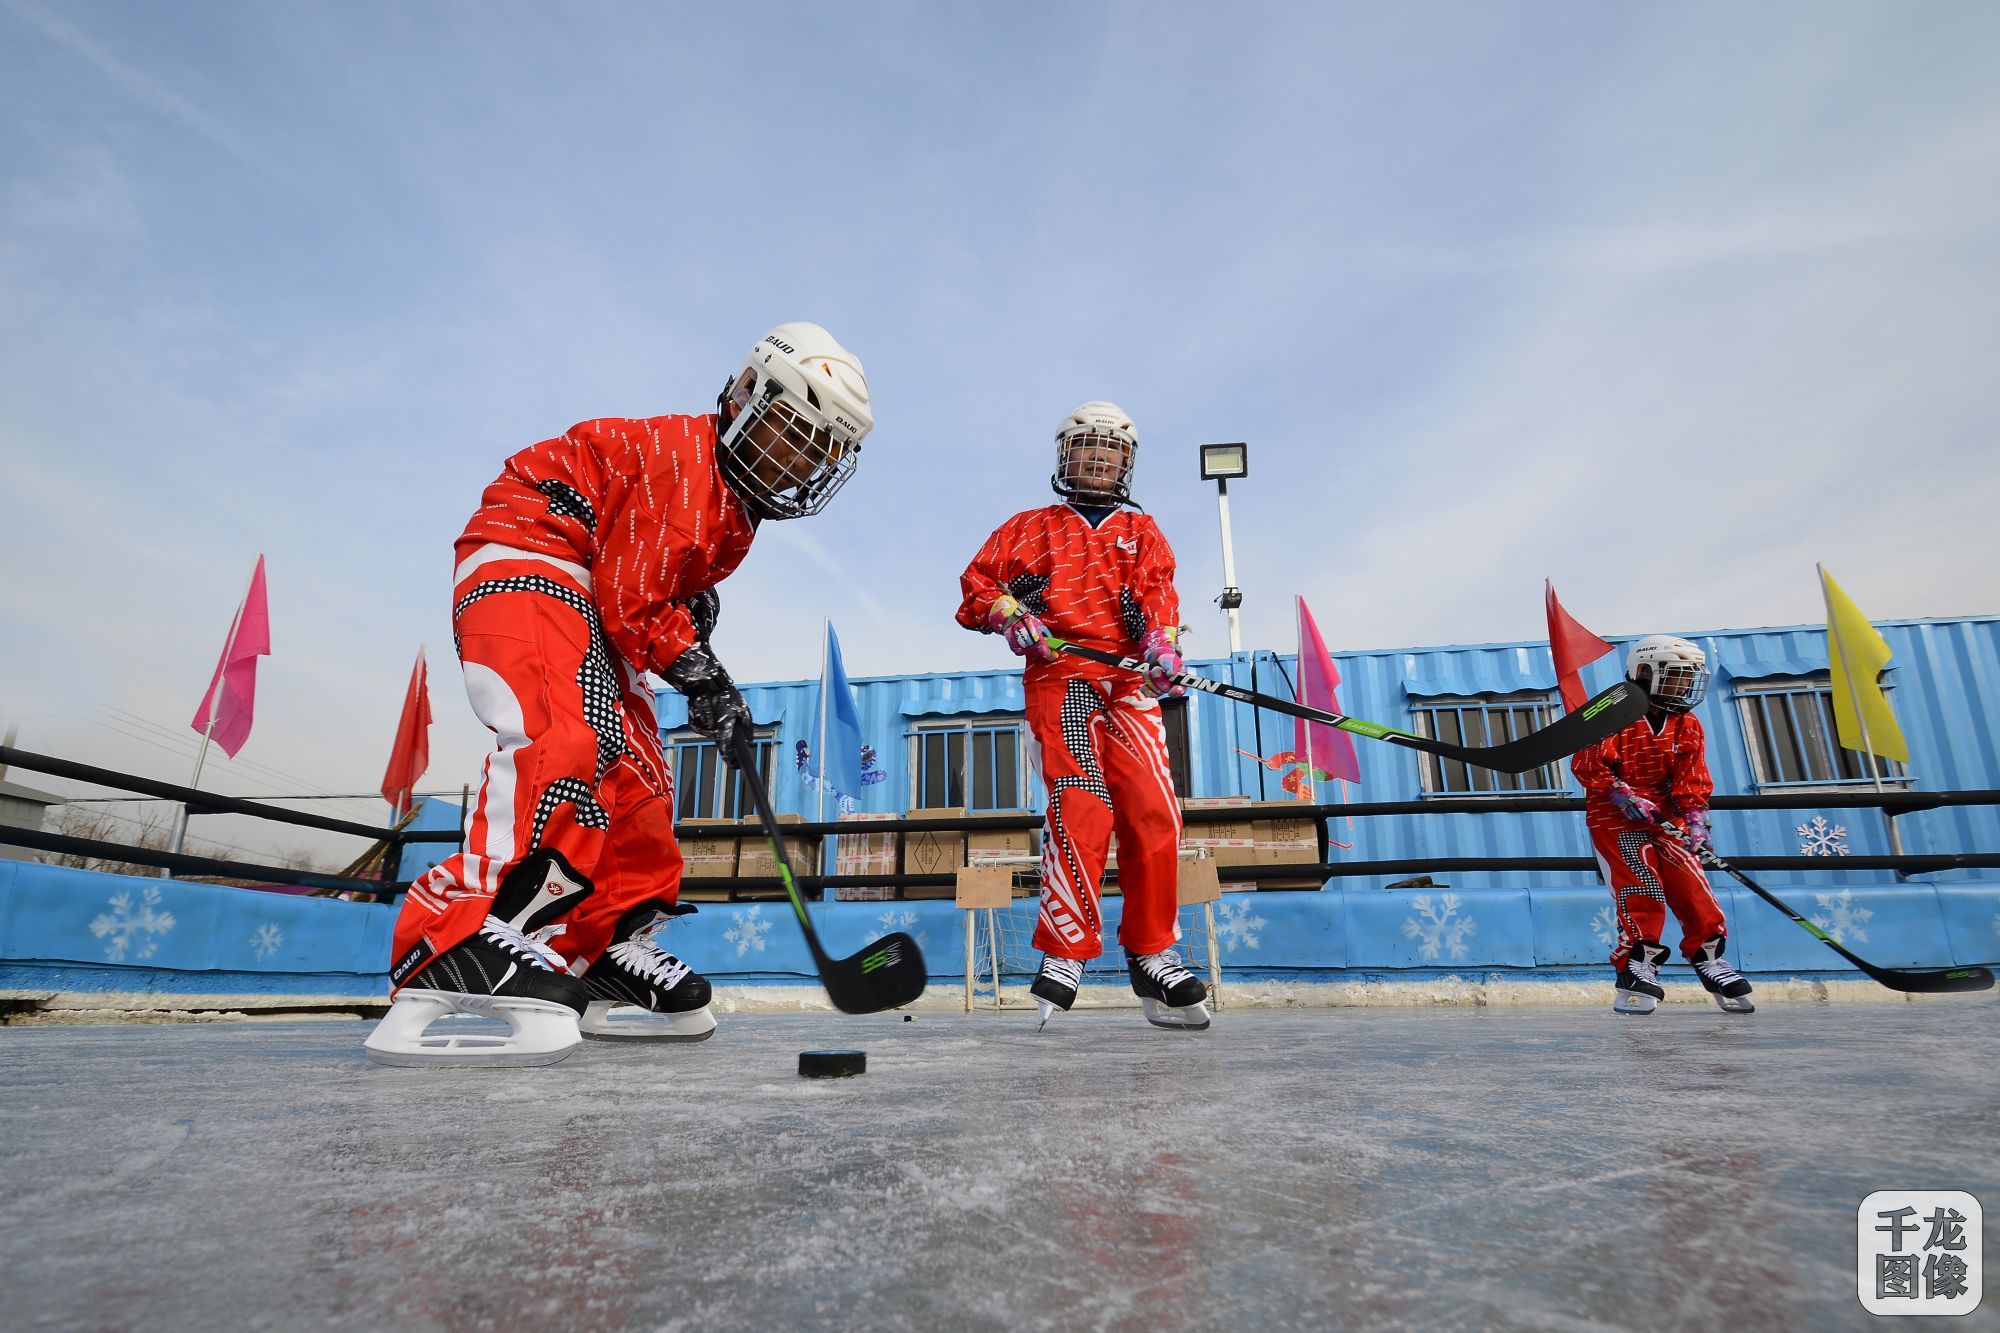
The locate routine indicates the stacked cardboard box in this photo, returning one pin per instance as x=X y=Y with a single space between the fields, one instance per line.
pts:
x=708 y=864
x=993 y=846
x=864 y=854
x=801 y=852
x=1286 y=836
x=933 y=851
x=1231 y=842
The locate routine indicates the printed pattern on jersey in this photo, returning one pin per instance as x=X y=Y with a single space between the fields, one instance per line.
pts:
x=1101 y=585
x=565 y=499
x=1670 y=769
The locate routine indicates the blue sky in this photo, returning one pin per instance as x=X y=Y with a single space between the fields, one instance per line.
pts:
x=1664 y=302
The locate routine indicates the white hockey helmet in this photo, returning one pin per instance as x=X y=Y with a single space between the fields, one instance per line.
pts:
x=793 y=420
x=1084 y=469
x=1675 y=672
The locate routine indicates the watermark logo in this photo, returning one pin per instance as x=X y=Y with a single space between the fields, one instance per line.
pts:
x=1918 y=1252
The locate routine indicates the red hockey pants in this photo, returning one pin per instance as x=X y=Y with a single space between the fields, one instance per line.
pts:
x=1104 y=760
x=578 y=770
x=1649 y=872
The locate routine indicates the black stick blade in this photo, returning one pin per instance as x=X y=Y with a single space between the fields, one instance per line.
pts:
x=1607 y=714
x=888 y=973
x=1933 y=980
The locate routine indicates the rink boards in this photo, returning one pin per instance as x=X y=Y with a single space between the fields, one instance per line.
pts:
x=81 y=931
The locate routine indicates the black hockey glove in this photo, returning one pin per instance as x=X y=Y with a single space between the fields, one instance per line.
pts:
x=715 y=709
x=703 y=608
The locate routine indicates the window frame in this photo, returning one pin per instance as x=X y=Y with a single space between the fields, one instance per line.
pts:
x=725 y=788
x=1433 y=770
x=969 y=727
x=1753 y=700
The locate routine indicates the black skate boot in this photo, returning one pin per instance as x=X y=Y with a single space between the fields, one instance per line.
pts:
x=1055 y=986
x=505 y=971
x=1639 y=988
x=1730 y=988
x=1172 y=996
x=640 y=992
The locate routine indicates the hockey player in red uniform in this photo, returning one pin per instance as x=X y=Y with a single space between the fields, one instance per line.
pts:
x=1646 y=793
x=592 y=560
x=1091 y=570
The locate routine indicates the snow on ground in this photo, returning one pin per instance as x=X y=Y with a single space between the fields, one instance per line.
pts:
x=1492 y=1167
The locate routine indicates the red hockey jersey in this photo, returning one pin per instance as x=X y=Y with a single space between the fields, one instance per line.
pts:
x=1669 y=769
x=642 y=505
x=1102 y=586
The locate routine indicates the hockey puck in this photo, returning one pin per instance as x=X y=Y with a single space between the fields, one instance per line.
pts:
x=832 y=1064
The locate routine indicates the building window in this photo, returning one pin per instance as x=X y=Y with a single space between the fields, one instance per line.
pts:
x=1788 y=723
x=707 y=788
x=1491 y=719
x=970 y=766
x=1180 y=752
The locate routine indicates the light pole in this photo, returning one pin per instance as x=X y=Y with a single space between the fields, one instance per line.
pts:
x=1220 y=462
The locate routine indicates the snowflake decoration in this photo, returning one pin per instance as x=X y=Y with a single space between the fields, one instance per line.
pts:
x=266 y=939
x=124 y=925
x=1605 y=926
x=1238 y=925
x=1438 y=931
x=1820 y=838
x=903 y=920
x=1843 y=920
x=749 y=931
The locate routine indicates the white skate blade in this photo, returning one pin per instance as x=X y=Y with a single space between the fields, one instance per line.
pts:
x=1631 y=1002
x=1187 y=1018
x=539 y=1032
x=1045 y=1010
x=1740 y=1005
x=608 y=1020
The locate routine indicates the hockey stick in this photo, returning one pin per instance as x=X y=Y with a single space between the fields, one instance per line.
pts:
x=1606 y=715
x=887 y=973
x=1912 y=980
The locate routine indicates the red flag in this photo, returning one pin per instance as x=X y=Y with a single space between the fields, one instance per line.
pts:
x=1331 y=749
x=1572 y=645
x=412 y=754
x=225 y=710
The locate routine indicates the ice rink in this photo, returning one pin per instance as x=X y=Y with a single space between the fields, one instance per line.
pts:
x=1534 y=1168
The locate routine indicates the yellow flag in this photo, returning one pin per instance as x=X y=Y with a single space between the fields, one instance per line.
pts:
x=1857 y=653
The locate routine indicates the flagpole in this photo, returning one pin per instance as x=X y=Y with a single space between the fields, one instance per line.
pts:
x=1299 y=662
x=214 y=711
x=1854 y=701
x=825 y=669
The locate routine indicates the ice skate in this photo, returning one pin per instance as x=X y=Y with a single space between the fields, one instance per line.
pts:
x=640 y=992
x=1172 y=996
x=1055 y=986
x=1730 y=988
x=1639 y=988
x=505 y=971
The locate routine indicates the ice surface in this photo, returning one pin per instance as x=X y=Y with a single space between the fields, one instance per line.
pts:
x=1362 y=1168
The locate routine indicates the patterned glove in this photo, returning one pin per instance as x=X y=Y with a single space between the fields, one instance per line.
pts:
x=703 y=608
x=1163 y=662
x=715 y=709
x=1026 y=636
x=1634 y=806
x=1694 y=823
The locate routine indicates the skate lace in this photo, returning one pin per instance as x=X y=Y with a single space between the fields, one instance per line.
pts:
x=1164 y=967
x=532 y=949
x=1069 y=971
x=651 y=962
x=1643 y=967
x=1717 y=970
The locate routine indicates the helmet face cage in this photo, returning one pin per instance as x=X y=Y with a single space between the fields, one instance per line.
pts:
x=784 y=457
x=1080 y=472
x=1677 y=686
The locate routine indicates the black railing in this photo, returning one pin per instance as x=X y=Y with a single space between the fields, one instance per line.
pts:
x=1892 y=803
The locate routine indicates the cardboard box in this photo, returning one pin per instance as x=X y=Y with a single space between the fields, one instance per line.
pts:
x=801 y=852
x=864 y=854
x=710 y=858
x=1230 y=842
x=986 y=846
x=934 y=851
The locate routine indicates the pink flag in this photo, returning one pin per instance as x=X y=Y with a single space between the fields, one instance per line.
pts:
x=1332 y=750
x=232 y=695
x=411 y=754
x=1571 y=645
